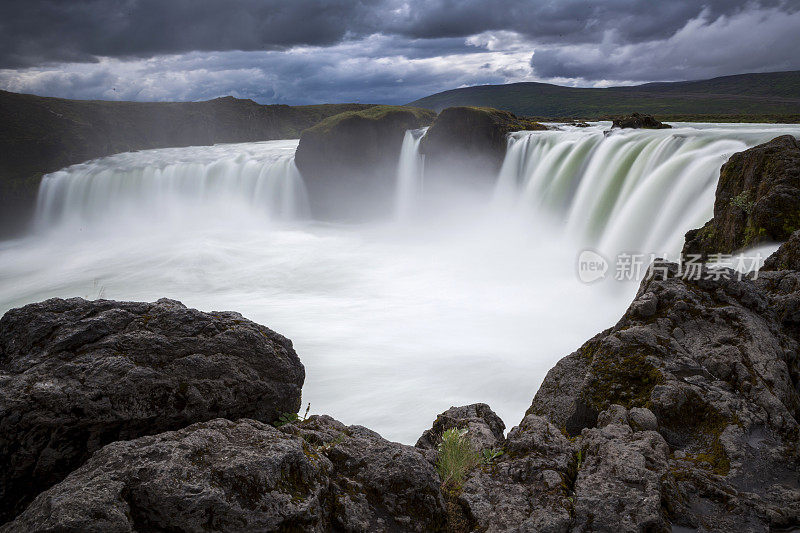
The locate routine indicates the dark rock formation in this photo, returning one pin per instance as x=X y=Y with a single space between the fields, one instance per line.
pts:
x=787 y=257
x=715 y=363
x=76 y=375
x=757 y=200
x=639 y=121
x=349 y=160
x=317 y=475
x=484 y=427
x=40 y=135
x=470 y=142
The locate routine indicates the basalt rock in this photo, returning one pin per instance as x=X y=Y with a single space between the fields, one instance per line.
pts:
x=469 y=143
x=639 y=121
x=316 y=475
x=349 y=160
x=76 y=375
x=757 y=200
x=712 y=363
x=484 y=427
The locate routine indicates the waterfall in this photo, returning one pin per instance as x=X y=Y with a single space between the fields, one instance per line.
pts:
x=409 y=173
x=622 y=191
x=180 y=185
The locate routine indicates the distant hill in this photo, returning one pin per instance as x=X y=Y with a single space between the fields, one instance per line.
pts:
x=40 y=135
x=756 y=95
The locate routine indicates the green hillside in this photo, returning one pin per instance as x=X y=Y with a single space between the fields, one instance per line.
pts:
x=753 y=96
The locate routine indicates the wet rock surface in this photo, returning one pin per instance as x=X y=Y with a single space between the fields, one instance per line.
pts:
x=76 y=375
x=470 y=142
x=757 y=200
x=315 y=475
x=350 y=160
x=639 y=121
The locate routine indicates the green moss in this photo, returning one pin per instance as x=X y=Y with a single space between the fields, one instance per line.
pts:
x=424 y=116
x=626 y=379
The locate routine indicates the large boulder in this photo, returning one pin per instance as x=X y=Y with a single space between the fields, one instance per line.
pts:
x=76 y=375
x=639 y=121
x=484 y=427
x=469 y=143
x=757 y=200
x=316 y=475
x=349 y=161
x=712 y=363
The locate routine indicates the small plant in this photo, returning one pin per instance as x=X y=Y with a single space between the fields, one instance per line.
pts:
x=743 y=202
x=289 y=418
x=456 y=457
x=488 y=455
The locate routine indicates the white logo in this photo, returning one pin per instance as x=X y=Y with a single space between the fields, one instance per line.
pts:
x=591 y=266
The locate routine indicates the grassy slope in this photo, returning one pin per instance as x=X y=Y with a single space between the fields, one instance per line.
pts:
x=377 y=112
x=754 y=96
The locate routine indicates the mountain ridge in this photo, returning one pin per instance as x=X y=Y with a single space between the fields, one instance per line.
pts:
x=756 y=94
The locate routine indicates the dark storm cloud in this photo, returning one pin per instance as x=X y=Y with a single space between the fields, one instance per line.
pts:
x=37 y=31
x=392 y=51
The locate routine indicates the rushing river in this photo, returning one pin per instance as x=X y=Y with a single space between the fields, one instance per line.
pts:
x=458 y=302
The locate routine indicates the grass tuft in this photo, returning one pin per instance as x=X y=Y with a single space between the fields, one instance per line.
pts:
x=456 y=457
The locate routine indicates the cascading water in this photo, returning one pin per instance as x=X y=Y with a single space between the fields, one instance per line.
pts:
x=623 y=191
x=409 y=174
x=177 y=185
x=465 y=301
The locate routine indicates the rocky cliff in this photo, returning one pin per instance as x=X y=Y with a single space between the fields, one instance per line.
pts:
x=757 y=200
x=349 y=161
x=40 y=135
x=469 y=143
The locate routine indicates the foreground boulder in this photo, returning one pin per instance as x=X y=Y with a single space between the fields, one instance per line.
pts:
x=76 y=375
x=316 y=475
x=757 y=200
x=639 y=121
x=349 y=161
x=470 y=143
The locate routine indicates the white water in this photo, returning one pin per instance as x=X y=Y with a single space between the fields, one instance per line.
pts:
x=628 y=191
x=176 y=186
x=409 y=174
x=395 y=322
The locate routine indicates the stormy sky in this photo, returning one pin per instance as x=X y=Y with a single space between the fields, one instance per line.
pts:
x=383 y=51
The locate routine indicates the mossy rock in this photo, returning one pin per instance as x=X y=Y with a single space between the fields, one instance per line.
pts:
x=757 y=200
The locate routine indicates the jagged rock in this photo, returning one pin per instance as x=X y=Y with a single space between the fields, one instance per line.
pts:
x=526 y=489
x=757 y=200
x=484 y=427
x=349 y=161
x=469 y=143
x=787 y=257
x=76 y=375
x=639 y=121
x=621 y=480
x=718 y=367
x=317 y=475
x=376 y=485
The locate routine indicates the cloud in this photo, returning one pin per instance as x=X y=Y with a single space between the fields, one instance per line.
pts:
x=750 y=41
x=366 y=70
x=384 y=51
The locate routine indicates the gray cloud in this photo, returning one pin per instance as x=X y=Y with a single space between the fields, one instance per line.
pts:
x=750 y=41
x=392 y=51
